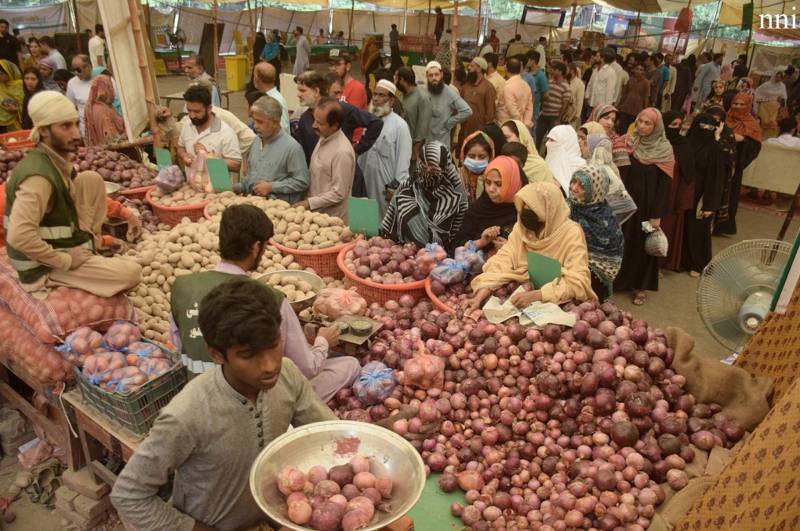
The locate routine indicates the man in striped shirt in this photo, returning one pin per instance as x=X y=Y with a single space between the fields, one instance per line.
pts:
x=554 y=103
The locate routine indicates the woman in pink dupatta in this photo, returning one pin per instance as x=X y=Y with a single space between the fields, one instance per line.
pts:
x=103 y=124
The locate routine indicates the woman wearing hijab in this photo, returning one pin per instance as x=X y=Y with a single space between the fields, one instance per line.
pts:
x=103 y=124
x=272 y=53
x=543 y=226
x=429 y=207
x=563 y=154
x=648 y=181
x=770 y=97
x=598 y=154
x=476 y=154
x=711 y=167
x=682 y=193
x=258 y=46
x=604 y=241
x=715 y=97
x=12 y=95
x=32 y=83
x=536 y=169
x=683 y=85
x=748 y=136
x=491 y=217
x=48 y=67
x=606 y=116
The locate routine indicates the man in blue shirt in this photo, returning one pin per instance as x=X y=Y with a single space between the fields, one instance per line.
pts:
x=537 y=80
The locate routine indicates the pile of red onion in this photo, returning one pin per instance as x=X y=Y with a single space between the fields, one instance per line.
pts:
x=550 y=429
x=384 y=261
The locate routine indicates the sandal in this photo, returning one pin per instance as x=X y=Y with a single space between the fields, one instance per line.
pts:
x=639 y=298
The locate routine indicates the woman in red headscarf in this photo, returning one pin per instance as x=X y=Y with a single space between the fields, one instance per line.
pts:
x=103 y=124
x=748 y=135
x=649 y=182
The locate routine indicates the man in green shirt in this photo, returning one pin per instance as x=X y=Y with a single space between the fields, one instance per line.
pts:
x=210 y=434
x=417 y=108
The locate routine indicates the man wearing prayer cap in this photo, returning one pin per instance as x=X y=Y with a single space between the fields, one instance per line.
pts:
x=480 y=96
x=54 y=215
x=448 y=108
x=388 y=160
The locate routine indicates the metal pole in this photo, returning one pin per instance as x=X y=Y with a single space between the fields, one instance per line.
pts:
x=405 y=18
x=428 y=20
x=453 y=40
x=214 y=8
x=478 y=32
x=76 y=25
x=350 y=28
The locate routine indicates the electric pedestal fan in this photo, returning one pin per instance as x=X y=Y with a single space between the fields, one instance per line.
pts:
x=736 y=289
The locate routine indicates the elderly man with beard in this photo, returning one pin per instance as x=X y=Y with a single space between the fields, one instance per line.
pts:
x=389 y=158
x=448 y=109
x=480 y=95
x=207 y=131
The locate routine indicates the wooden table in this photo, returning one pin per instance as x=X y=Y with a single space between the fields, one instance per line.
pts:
x=178 y=96
x=95 y=428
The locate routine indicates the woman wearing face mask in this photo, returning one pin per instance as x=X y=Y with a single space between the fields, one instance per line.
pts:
x=711 y=167
x=604 y=241
x=476 y=153
x=682 y=192
x=536 y=169
x=648 y=181
x=491 y=217
x=606 y=116
x=543 y=226
x=429 y=207
x=748 y=136
x=563 y=154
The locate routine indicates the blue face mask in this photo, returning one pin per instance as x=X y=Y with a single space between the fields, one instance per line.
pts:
x=475 y=166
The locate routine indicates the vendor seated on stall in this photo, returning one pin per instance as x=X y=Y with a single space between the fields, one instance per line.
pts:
x=54 y=215
x=207 y=131
x=243 y=234
x=210 y=434
x=543 y=227
x=276 y=166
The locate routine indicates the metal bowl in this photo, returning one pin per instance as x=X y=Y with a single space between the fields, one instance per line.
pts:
x=317 y=284
x=316 y=444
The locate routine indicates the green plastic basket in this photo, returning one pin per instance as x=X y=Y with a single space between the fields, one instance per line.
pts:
x=136 y=410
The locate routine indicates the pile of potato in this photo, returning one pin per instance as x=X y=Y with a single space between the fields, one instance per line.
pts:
x=294 y=288
x=189 y=247
x=295 y=227
x=185 y=196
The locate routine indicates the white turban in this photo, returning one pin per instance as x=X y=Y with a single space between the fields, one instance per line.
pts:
x=47 y=108
x=387 y=85
x=432 y=65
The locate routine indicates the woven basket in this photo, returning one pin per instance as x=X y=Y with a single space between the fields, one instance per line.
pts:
x=374 y=292
x=173 y=215
x=136 y=193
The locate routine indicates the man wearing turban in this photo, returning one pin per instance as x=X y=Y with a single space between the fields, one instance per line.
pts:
x=54 y=214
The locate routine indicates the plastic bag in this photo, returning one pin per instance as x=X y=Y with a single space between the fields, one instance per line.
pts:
x=448 y=272
x=154 y=367
x=121 y=334
x=170 y=179
x=197 y=173
x=470 y=258
x=98 y=367
x=80 y=344
x=428 y=257
x=424 y=371
x=375 y=383
x=656 y=243
x=336 y=302
x=124 y=380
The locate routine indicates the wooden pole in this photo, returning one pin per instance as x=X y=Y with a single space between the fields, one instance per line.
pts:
x=144 y=69
x=215 y=51
x=747 y=44
x=350 y=24
x=572 y=21
x=454 y=40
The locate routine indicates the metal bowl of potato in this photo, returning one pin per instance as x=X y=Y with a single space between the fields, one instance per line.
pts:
x=334 y=443
x=300 y=287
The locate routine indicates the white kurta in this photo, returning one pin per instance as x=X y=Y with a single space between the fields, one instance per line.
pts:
x=301 y=60
x=388 y=159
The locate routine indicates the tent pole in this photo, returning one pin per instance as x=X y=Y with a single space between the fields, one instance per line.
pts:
x=144 y=69
x=454 y=40
x=350 y=25
x=76 y=25
x=749 y=39
x=405 y=18
x=428 y=20
x=214 y=8
x=478 y=32
x=571 y=22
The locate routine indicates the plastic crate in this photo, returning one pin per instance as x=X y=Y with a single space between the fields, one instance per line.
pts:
x=173 y=215
x=373 y=291
x=136 y=410
x=17 y=140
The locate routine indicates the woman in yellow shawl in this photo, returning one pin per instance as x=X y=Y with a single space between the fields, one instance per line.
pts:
x=11 y=96
x=543 y=226
x=536 y=169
